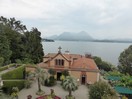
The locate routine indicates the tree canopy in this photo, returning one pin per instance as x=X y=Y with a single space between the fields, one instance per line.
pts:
x=5 y=52
x=16 y=42
x=125 y=61
x=103 y=65
x=70 y=84
x=126 y=81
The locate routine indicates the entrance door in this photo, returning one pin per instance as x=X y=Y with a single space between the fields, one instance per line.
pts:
x=59 y=75
x=83 y=79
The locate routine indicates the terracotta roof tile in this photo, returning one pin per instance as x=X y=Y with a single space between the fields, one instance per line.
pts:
x=86 y=63
x=77 y=61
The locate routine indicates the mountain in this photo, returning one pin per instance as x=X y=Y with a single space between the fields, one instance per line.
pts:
x=84 y=36
x=69 y=36
x=53 y=37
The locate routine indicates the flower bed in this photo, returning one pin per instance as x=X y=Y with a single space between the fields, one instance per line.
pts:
x=48 y=97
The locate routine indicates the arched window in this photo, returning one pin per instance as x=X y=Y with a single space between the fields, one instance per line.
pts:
x=59 y=62
x=62 y=62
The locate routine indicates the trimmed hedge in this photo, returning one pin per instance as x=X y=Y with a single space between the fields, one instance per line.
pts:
x=6 y=67
x=18 y=73
x=7 y=88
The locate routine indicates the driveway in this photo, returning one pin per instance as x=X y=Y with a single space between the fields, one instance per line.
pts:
x=81 y=93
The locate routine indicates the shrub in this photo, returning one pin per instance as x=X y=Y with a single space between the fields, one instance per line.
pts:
x=27 y=84
x=103 y=65
x=62 y=77
x=18 y=61
x=109 y=97
x=114 y=73
x=17 y=73
x=27 y=61
x=100 y=89
x=14 y=93
x=8 y=85
x=47 y=97
x=124 y=97
x=70 y=97
x=126 y=81
x=51 y=81
x=51 y=71
x=65 y=73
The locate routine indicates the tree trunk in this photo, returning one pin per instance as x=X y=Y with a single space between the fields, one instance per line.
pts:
x=70 y=93
x=39 y=86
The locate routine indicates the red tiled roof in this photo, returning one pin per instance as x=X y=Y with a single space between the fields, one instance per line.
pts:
x=85 y=63
x=77 y=61
x=68 y=56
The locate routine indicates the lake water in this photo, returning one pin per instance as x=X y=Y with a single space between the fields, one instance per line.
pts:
x=107 y=51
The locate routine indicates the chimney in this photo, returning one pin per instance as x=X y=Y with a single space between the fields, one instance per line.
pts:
x=88 y=55
x=67 y=52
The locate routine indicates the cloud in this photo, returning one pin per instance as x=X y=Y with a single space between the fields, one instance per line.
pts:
x=101 y=18
x=20 y=9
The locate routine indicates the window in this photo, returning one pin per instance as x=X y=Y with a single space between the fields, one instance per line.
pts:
x=59 y=62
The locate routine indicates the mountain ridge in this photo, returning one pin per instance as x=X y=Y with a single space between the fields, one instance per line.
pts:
x=70 y=36
x=84 y=36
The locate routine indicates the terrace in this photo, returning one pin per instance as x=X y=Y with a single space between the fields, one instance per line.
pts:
x=81 y=93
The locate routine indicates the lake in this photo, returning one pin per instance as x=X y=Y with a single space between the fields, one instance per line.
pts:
x=107 y=51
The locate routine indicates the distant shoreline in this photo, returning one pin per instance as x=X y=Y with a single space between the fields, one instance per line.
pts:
x=48 y=40
x=107 y=41
x=111 y=41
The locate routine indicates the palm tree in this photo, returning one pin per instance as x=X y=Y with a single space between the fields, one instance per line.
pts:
x=41 y=76
x=70 y=84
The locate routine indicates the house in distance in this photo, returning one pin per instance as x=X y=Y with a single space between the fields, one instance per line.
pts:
x=83 y=68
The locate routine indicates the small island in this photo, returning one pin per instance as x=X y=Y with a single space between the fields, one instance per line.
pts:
x=47 y=40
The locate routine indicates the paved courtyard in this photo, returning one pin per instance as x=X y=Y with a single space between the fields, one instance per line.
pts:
x=81 y=93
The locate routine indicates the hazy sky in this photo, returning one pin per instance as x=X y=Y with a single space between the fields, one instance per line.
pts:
x=99 y=18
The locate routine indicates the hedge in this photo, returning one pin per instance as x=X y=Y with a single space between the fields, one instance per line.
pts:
x=18 y=73
x=6 y=67
x=7 y=88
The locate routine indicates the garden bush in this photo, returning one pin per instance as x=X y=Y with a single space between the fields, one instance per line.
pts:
x=51 y=81
x=27 y=84
x=114 y=73
x=126 y=81
x=109 y=97
x=70 y=97
x=18 y=73
x=65 y=73
x=100 y=89
x=8 y=85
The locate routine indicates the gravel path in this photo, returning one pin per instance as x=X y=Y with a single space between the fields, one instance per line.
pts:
x=81 y=93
